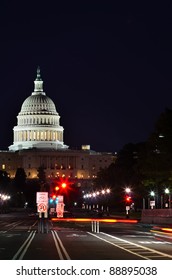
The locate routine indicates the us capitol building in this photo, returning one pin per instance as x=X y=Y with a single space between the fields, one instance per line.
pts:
x=38 y=142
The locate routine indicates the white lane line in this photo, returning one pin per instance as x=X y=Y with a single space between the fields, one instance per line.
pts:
x=139 y=246
x=32 y=226
x=27 y=241
x=63 y=248
x=27 y=246
x=13 y=225
x=115 y=245
x=59 y=246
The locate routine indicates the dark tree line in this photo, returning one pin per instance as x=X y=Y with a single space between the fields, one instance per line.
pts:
x=21 y=189
x=143 y=166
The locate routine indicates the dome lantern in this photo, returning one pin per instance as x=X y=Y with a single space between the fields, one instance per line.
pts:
x=38 y=83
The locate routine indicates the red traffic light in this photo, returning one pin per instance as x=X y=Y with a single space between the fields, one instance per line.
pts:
x=128 y=200
x=63 y=185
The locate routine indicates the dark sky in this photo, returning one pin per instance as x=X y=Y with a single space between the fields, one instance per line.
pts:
x=107 y=68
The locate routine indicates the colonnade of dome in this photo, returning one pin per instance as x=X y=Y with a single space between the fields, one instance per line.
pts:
x=36 y=135
x=41 y=120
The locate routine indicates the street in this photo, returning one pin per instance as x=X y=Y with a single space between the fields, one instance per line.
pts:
x=68 y=240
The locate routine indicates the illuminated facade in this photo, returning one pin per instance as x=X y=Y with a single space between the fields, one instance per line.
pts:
x=38 y=141
x=38 y=122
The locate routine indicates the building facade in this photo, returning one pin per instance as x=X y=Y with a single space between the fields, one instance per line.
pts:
x=38 y=142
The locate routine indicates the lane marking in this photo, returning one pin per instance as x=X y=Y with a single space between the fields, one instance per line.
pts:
x=115 y=245
x=30 y=227
x=27 y=246
x=139 y=246
x=59 y=246
x=24 y=247
x=155 y=242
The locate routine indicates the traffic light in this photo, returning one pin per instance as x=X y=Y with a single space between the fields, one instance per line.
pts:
x=60 y=185
x=128 y=200
x=53 y=198
x=63 y=185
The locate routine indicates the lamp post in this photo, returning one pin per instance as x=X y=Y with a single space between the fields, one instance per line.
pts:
x=127 y=201
x=152 y=202
x=167 y=192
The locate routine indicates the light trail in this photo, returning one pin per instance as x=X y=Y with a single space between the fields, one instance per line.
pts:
x=91 y=220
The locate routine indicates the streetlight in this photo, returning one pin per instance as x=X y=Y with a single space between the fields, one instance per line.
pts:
x=152 y=193
x=127 y=201
x=152 y=202
x=127 y=190
x=167 y=192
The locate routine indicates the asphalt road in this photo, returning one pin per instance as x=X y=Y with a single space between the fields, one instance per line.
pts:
x=20 y=239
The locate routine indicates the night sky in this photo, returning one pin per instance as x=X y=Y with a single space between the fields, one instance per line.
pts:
x=107 y=68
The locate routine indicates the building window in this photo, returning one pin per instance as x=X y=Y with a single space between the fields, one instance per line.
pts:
x=3 y=166
x=62 y=167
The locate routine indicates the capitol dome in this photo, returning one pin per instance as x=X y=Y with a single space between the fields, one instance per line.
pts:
x=38 y=104
x=38 y=122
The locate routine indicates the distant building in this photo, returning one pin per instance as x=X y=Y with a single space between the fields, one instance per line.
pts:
x=38 y=141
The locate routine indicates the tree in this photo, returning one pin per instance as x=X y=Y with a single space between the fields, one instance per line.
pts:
x=44 y=186
x=123 y=173
x=41 y=174
x=19 y=184
x=156 y=161
x=143 y=166
x=4 y=181
x=20 y=179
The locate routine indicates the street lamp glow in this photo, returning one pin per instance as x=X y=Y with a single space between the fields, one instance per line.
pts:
x=152 y=193
x=167 y=191
x=127 y=190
